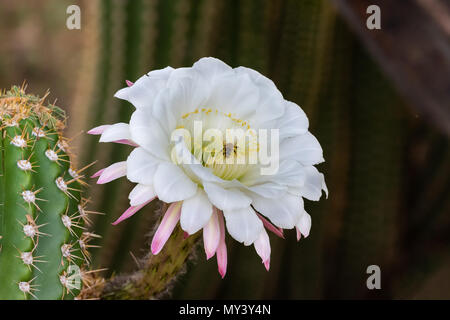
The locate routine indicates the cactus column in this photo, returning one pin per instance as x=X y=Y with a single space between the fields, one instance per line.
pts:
x=43 y=242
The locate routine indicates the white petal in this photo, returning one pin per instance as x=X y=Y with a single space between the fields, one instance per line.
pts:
x=141 y=194
x=271 y=104
x=243 y=225
x=302 y=148
x=260 y=80
x=262 y=246
x=186 y=91
x=284 y=212
x=171 y=183
x=235 y=94
x=269 y=190
x=118 y=131
x=304 y=225
x=226 y=199
x=144 y=91
x=211 y=67
x=148 y=133
x=294 y=121
x=141 y=166
x=195 y=212
x=290 y=173
x=314 y=184
x=211 y=234
x=113 y=172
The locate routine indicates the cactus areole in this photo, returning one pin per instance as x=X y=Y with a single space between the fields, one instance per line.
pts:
x=42 y=239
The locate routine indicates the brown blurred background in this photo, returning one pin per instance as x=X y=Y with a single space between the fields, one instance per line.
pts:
x=378 y=100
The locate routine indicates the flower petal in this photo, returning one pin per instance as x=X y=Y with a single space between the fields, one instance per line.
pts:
x=98 y=173
x=269 y=226
x=186 y=91
x=235 y=94
x=298 y=233
x=211 y=235
x=304 y=225
x=262 y=247
x=130 y=211
x=99 y=129
x=290 y=173
x=195 y=212
x=166 y=227
x=148 y=133
x=226 y=199
x=126 y=141
x=221 y=252
x=243 y=225
x=294 y=121
x=140 y=194
x=302 y=148
x=144 y=91
x=171 y=183
x=313 y=185
x=211 y=67
x=141 y=166
x=118 y=131
x=284 y=213
x=114 y=171
x=271 y=104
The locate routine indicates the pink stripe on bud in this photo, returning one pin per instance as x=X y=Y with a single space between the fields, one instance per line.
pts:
x=262 y=246
x=98 y=173
x=269 y=226
x=168 y=223
x=114 y=171
x=99 y=129
x=130 y=212
x=211 y=235
x=221 y=252
x=129 y=83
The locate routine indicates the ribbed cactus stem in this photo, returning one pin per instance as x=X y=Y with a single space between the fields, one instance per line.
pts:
x=43 y=242
x=157 y=272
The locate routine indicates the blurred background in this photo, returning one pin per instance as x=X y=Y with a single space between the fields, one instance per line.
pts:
x=377 y=100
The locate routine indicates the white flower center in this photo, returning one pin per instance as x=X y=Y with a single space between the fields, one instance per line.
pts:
x=219 y=141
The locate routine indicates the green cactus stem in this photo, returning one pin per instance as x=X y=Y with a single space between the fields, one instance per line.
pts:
x=42 y=216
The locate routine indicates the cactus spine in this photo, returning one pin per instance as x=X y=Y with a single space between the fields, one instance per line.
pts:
x=43 y=242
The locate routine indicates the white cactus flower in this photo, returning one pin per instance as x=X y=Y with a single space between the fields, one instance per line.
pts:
x=178 y=156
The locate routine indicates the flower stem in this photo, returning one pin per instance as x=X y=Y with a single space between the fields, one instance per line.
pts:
x=156 y=273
